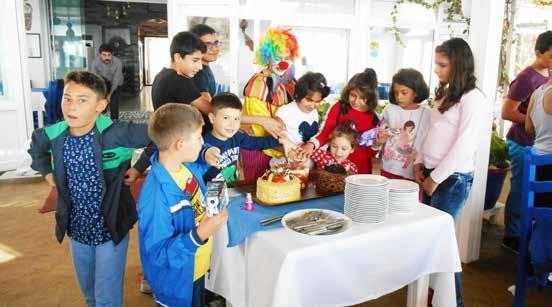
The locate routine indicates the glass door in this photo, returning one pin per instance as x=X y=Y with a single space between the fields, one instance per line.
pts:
x=15 y=90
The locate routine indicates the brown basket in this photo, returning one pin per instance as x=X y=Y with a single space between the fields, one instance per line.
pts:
x=327 y=182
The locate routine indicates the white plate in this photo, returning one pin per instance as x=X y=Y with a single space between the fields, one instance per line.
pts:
x=364 y=180
x=297 y=213
x=402 y=185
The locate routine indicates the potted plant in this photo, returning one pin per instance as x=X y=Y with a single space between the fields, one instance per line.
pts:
x=499 y=166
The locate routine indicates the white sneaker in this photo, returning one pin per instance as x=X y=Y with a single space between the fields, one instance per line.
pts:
x=145 y=287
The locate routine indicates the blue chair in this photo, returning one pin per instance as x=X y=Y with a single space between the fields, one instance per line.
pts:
x=530 y=214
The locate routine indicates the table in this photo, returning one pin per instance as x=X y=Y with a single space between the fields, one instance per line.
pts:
x=283 y=268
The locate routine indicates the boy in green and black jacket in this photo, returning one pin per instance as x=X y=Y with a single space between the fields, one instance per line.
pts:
x=87 y=158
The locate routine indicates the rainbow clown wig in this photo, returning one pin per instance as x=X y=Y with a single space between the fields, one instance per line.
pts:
x=274 y=43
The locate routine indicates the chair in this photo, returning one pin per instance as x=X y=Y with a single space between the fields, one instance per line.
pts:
x=529 y=213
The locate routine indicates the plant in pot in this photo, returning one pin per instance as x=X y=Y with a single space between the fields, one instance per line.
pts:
x=499 y=165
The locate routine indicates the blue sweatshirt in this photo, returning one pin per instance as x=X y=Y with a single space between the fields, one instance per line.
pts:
x=167 y=233
x=230 y=153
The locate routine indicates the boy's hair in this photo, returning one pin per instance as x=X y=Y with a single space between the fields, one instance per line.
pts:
x=544 y=42
x=311 y=82
x=106 y=48
x=346 y=130
x=171 y=122
x=185 y=43
x=88 y=79
x=412 y=79
x=225 y=100
x=367 y=83
x=462 y=79
x=202 y=29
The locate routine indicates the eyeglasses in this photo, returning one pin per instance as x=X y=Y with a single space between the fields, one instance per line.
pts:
x=214 y=44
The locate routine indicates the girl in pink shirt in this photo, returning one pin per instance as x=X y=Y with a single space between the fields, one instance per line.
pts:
x=444 y=166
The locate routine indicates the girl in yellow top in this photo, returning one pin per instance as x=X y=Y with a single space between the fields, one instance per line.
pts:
x=269 y=89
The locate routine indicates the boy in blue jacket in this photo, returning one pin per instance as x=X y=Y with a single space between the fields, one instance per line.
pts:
x=174 y=230
x=87 y=158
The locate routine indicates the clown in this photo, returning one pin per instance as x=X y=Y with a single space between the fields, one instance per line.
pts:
x=269 y=89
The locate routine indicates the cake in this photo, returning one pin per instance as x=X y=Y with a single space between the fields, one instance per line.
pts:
x=278 y=186
x=298 y=170
x=331 y=179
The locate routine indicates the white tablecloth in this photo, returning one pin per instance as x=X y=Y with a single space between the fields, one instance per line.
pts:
x=283 y=268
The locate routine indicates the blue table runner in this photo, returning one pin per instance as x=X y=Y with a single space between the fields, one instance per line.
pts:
x=241 y=224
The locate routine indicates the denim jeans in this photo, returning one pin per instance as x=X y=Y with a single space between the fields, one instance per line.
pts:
x=100 y=271
x=450 y=197
x=512 y=213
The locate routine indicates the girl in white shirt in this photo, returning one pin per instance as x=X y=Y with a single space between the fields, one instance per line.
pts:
x=444 y=166
x=406 y=123
x=301 y=116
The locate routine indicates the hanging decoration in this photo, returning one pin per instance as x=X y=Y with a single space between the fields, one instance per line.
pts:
x=453 y=11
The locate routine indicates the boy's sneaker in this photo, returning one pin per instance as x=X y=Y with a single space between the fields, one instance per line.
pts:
x=219 y=302
x=145 y=287
x=511 y=244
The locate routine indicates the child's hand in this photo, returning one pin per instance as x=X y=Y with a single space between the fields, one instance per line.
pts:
x=273 y=126
x=429 y=185
x=381 y=137
x=308 y=149
x=131 y=175
x=296 y=155
x=50 y=180
x=418 y=173
x=289 y=146
x=208 y=226
x=211 y=156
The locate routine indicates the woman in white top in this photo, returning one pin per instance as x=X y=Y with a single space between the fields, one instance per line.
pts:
x=444 y=166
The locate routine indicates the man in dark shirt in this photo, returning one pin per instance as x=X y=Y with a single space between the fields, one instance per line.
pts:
x=514 y=109
x=205 y=79
x=110 y=68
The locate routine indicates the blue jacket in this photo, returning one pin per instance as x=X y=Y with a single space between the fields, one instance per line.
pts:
x=167 y=233
x=113 y=147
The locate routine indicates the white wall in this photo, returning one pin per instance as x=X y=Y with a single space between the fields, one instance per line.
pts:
x=39 y=68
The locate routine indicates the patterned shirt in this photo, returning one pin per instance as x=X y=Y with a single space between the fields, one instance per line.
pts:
x=324 y=158
x=86 y=220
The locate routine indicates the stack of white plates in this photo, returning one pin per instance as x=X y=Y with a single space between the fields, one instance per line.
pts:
x=403 y=195
x=366 y=198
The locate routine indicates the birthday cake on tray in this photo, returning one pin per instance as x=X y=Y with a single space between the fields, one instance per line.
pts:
x=278 y=186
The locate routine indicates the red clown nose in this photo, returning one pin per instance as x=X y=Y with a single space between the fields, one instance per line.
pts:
x=283 y=65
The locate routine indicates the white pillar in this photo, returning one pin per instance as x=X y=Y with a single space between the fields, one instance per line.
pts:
x=485 y=41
